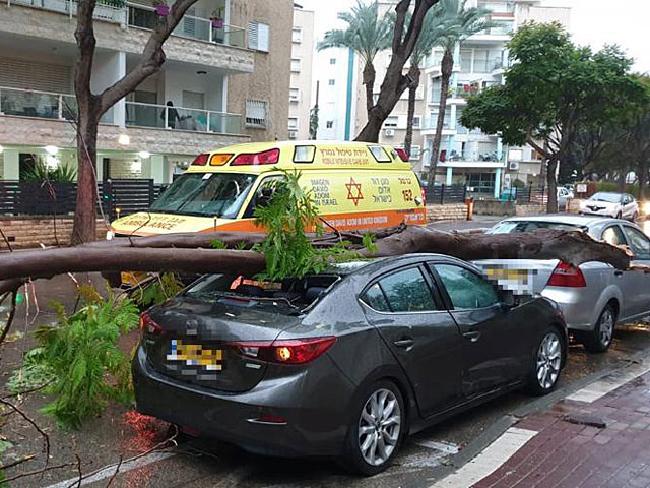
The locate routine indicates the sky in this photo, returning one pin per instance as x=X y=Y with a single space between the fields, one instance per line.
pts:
x=593 y=23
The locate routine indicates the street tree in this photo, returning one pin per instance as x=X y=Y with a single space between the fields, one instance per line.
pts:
x=91 y=106
x=553 y=89
x=367 y=34
x=409 y=20
x=459 y=23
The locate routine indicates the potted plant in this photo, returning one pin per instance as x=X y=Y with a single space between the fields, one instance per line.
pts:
x=217 y=19
x=161 y=8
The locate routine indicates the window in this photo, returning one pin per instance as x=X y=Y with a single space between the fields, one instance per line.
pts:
x=416 y=122
x=331 y=82
x=391 y=122
x=296 y=35
x=465 y=288
x=258 y=36
x=294 y=94
x=638 y=242
x=403 y=291
x=614 y=235
x=415 y=152
x=379 y=154
x=332 y=60
x=329 y=124
x=295 y=65
x=256 y=113
x=293 y=123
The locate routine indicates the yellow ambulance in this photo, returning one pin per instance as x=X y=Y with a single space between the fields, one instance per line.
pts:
x=355 y=185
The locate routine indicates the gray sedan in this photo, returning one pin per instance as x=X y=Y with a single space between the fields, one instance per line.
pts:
x=344 y=363
x=594 y=296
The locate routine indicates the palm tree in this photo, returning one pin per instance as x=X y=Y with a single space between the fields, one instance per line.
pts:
x=433 y=30
x=460 y=23
x=367 y=33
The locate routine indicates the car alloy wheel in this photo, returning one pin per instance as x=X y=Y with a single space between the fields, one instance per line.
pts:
x=549 y=360
x=379 y=427
x=606 y=328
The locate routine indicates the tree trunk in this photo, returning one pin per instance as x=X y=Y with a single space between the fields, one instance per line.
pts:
x=369 y=75
x=621 y=180
x=83 y=229
x=643 y=178
x=447 y=66
x=414 y=72
x=551 y=186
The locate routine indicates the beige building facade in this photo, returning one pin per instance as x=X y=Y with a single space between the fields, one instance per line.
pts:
x=225 y=81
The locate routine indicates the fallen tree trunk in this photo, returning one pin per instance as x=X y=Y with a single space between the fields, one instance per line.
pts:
x=569 y=246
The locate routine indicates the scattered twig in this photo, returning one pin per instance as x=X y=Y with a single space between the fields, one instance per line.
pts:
x=78 y=470
x=29 y=390
x=46 y=438
x=38 y=471
x=23 y=459
x=6 y=240
x=117 y=470
x=10 y=318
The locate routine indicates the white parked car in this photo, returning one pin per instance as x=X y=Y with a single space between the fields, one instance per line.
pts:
x=614 y=205
x=564 y=194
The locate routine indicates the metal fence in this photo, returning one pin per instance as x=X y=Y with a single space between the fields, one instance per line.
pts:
x=118 y=197
x=446 y=194
x=528 y=194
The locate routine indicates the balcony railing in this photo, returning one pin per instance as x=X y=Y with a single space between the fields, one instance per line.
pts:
x=496 y=7
x=190 y=26
x=432 y=122
x=144 y=16
x=69 y=7
x=178 y=118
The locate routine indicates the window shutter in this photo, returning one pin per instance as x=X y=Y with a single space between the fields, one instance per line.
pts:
x=252 y=35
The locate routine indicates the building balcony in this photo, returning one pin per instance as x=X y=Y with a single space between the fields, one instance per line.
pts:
x=194 y=41
x=35 y=118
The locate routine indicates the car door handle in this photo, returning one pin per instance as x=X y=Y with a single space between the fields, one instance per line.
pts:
x=404 y=343
x=618 y=272
x=472 y=335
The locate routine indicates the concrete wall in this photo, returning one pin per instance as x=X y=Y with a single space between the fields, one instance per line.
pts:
x=26 y=232
x=448 y=211
x=270 y=80
x=304 y=51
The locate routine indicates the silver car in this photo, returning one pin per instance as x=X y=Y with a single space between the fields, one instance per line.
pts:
x=595 y=296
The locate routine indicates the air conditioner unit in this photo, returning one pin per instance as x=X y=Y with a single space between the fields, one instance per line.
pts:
x=293 y=134
x=513 y=166
x=389 y=132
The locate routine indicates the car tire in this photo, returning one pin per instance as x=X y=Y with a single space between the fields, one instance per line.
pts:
x=599 y=339
x=379 y=426
x=546 y=364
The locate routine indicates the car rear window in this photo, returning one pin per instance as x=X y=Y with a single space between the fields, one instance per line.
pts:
x=510 y=227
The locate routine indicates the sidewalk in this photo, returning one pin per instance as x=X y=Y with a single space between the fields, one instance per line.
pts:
x=597 y=437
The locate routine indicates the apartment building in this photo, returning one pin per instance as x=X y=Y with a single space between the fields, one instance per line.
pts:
x=479 y=161
x=337 y=73
x=300 y=78
x=225 y=81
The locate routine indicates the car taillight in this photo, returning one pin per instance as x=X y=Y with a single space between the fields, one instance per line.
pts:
x=568 y=276
x=148 y=325
x=200 y=160
x=271 y=156
x=401 y=152
x=295 y=351
x=423 y=194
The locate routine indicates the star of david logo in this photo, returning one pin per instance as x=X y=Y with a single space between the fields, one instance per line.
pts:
x=354 y=192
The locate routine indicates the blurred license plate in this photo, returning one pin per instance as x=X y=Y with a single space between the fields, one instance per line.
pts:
x=195 y=355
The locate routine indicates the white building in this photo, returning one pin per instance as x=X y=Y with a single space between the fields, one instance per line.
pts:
x=336 y=73
x=227 y=63
x=472 y=158
x=300 y=82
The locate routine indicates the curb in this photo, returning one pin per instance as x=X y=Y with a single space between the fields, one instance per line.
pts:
x=499 y=427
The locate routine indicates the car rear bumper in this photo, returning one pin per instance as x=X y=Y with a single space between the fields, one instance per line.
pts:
x=316 y=423
x=578 y=310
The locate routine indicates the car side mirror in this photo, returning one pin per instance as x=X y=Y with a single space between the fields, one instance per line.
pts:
x=264 y=197
x=508 y=300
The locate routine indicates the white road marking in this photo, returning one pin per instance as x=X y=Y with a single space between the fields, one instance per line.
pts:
x=108 y=471
x=428 y=459
x=488 y=460
x=600 y=388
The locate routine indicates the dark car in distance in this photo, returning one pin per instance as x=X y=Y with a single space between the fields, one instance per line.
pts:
x=344 y=363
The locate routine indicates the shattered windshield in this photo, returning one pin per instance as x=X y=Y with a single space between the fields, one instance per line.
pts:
x=206 y=195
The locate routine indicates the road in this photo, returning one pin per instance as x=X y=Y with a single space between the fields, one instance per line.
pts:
x=204 y=463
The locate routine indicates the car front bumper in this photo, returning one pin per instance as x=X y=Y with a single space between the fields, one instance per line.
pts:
x=316 y=418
